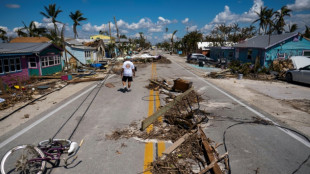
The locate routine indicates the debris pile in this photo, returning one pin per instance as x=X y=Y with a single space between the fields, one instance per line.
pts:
x=36 y=86
x=281 y=66
x=179 y=122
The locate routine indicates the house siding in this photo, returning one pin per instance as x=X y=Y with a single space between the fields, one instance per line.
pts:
x=51 y=70
x=286 y=49
x=12 y=78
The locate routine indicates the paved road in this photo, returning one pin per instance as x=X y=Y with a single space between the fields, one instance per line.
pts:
x=251 y=147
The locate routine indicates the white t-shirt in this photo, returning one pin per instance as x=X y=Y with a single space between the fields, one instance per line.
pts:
x=128 y=67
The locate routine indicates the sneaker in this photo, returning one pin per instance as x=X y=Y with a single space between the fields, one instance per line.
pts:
x=128 y=89
x=125 y=88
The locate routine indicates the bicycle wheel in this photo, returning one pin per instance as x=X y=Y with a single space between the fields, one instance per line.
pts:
x=20 y=159
x=63 y=142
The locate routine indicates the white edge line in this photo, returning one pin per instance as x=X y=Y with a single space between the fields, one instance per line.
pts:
x=290 y=133
x=5 y=142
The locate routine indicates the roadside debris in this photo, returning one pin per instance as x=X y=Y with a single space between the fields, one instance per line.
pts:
x=181 y=118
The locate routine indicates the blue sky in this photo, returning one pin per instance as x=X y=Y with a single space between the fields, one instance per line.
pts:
x=148 y=16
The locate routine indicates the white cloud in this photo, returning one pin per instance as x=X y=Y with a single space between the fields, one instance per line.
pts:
x=300 y=5
x=47 y=20
x=124 y=31
x=251 y=15
x=225 y=16
x=185 y=21
x=12 y=6
x=155 y=29
x=4 y=28
x=192 y=28
x=168 y=36
x=143 y=23
x=208 y=27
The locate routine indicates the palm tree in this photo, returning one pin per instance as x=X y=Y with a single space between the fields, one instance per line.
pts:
x=292 y=28
x=56 y=37
x=52 y=13
x=190 y=41
x=261 y=18
x=76 y=17
x=280 y=23
x=307 y=32
x=269 y=21
x=172 y=39
x=20 y=33
x=31 y=30
x=3 y=36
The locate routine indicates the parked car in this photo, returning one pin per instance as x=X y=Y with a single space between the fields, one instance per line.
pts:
x=301 y=71
x=198 y=57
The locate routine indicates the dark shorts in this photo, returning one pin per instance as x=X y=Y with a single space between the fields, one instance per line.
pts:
x=125 y=78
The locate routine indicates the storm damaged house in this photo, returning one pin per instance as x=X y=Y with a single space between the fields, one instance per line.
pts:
x=84 y=52
x=22 y=60
x=268 y=48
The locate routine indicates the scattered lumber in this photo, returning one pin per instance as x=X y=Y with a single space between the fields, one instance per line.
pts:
x=46 y=77
x=221 y=74
x=177 y=143
x=215 y=167
x=149 y=120
x=161 y=85
x=45 y=83
x=213 y=163
x=86 y=80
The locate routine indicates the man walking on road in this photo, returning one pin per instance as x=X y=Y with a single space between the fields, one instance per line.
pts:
x=128 y=71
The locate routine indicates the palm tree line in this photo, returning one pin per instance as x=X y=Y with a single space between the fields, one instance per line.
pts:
x=269 y=22
x=54 y=34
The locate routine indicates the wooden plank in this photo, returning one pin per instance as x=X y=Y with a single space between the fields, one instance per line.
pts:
x=149 y=120
x=86 y=80
x=213 y=163
x=176 y=144
x=164 y=86
x=216 y=168
x=46 y=77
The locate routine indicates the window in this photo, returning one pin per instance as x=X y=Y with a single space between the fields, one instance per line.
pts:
x=307 y=53
x=281 y=55
x=44 y=62
x=17 y=63
x=32 y=62
x=12 y=65
x=250 y=54
x=57 y=59
x=8 y=65
x=50 y=61
x=87 y=53
x=1 y=68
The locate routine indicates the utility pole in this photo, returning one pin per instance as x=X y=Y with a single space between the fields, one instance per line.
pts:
x=110 y=32
x=117 y=30
x=119 y=42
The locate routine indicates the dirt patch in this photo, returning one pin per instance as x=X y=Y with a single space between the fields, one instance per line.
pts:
x=302 y=105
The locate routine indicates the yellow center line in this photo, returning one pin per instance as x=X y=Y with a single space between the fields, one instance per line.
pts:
x=154 y=104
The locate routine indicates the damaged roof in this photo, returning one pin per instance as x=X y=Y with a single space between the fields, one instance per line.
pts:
x=9 y=48
x=30 y=40
x=262 y=41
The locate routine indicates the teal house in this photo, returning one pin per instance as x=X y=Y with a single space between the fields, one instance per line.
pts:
x=23 y=60
x=269 y=48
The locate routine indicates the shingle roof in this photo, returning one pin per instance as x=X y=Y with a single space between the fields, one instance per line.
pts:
x=9 y=48
x=262 y=41
x=30 y=40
